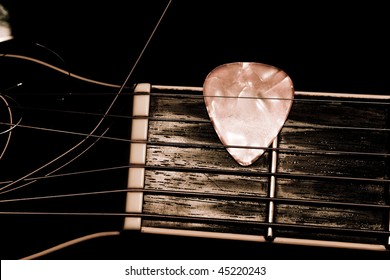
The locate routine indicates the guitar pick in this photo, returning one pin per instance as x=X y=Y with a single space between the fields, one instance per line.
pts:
x=248 y=104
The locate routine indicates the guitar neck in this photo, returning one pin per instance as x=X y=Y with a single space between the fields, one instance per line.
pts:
x=323 y=182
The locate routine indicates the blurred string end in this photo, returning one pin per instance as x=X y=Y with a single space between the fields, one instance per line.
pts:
x=55 y=53
x=10 y=88
x=11 y=123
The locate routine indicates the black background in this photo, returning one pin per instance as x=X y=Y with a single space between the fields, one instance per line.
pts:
x=322 y=46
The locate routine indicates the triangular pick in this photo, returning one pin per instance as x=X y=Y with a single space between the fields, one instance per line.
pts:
x=248 y=104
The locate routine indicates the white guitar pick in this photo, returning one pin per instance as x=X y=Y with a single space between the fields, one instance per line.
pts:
x=248 y=104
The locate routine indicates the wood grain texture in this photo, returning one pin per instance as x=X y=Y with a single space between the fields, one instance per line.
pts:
x=326 y=149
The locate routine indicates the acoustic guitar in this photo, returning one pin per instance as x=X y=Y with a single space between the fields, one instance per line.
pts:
x=95 y=170
x=153 y=165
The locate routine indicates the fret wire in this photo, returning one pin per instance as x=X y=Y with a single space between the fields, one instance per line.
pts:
x=272 y=189
x=208 y=220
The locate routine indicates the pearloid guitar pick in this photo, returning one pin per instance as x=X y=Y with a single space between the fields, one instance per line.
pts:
x=248 y=104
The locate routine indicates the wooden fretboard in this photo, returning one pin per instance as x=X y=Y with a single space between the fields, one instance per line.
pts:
x=324 y=181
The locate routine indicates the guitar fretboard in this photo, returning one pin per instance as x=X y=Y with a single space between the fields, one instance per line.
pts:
x=324 y=181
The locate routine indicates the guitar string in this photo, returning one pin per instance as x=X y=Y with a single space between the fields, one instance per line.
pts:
x=6 y=55
x=212 y=220
x=219 y=146
x=176 y=95
x=207 y=120
x=199 y=194
x=111 y=105
x=70 y=243
x=11 y=125
x=226 y=196
x=53 y=171
x=213 y=171
x=158 y=119
x=224 y=146
x=73 y=75
x=189 y=96
x=263 y=225
x=361 y=181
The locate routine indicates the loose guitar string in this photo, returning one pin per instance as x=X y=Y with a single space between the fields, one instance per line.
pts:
x=58 y=168
x=62 y=166
x=104 y=115
x=11 y=125
x=69 y=74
